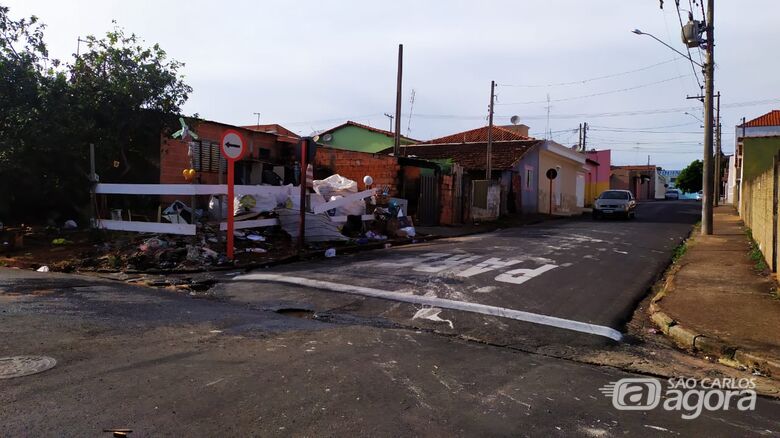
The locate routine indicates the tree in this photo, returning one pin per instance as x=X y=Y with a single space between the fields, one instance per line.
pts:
x=125 y=92
x=690 y=178
x=117 y=94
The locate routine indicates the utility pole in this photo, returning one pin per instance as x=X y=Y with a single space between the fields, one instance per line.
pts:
x=489 y=166
x=397 y=136
x=709 y=80
x=391 y=117
x=579 y=140
x=258 y=118
x=717 y=152
x=584 y=135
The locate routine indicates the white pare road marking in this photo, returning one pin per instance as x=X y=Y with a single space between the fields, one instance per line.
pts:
x=444 y=303
x=438 y=262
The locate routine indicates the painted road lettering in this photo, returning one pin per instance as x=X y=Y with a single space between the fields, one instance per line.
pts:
x=437 y=263
x=520 y=276
x=448 y=263
x=486 y=266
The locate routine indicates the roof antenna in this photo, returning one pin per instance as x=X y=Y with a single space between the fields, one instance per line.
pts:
x=411 y=108
x=548 y=134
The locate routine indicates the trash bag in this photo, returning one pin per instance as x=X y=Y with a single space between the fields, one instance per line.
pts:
x=334 y=185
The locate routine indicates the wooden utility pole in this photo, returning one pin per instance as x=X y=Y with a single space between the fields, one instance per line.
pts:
x=489 y=165
x=397 y=133
x=709 y=82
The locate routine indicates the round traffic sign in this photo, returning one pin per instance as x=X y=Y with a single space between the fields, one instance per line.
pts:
x=551 y=173
x=233 y=146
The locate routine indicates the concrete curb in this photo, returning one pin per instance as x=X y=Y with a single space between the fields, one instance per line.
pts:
x=696 y=342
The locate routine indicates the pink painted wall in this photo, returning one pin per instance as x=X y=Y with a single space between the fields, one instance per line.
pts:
x=604 y=158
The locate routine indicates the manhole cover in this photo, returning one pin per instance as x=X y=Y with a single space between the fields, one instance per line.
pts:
x=18 y=366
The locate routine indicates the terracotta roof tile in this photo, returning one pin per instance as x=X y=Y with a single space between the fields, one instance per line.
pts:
x=473 y=155
x=480 y=135
x=771 y=118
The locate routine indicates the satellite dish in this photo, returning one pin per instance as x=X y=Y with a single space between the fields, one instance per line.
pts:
x=515 y=120
x=327 y=138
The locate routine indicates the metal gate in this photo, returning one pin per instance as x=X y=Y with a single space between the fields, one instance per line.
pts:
x=428 y=206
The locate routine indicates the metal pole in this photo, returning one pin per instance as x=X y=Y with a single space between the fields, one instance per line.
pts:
x=489 y=165
x=92 y=182
x=397 y=133
x=717 y=152
x=709 y=79
x=550 y=196
x=302 y=209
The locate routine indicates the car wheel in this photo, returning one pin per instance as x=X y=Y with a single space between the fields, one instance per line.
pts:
x=595 y=216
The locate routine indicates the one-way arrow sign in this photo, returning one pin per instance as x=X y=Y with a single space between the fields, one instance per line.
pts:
x=233 y=146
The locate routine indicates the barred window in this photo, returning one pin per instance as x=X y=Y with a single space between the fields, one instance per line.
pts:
x=206 y=157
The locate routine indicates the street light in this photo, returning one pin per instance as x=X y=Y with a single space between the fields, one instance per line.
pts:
x=639 y=32
x=700 y=120
x=692 y=34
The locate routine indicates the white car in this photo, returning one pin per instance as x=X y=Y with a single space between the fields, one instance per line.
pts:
x=699 y=195
x=615 y=203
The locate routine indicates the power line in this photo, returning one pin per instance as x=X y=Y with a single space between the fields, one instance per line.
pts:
x=584 y=81
x=595 y=94
x=693 y=67
x=642 y=131
x=651 y=127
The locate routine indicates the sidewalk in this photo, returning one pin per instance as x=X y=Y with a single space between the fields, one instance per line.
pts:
x=716 y=303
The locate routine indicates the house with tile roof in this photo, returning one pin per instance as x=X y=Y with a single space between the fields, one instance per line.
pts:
x=757 y=173
x=519 y=165
x=353 y=136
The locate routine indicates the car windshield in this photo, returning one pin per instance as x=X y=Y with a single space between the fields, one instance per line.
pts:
x=671 y=191
x=614 y=195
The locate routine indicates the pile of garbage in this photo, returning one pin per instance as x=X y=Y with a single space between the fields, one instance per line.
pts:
x=356 y=218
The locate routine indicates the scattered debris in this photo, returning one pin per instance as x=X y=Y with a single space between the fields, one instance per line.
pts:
x=43 y=268
x=330 y=252
x=432 y=314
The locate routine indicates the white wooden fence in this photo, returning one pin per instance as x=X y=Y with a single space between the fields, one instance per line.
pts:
x=280 y=192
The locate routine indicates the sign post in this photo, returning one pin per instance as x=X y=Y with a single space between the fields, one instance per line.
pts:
x=551 y=175
x=233 y=149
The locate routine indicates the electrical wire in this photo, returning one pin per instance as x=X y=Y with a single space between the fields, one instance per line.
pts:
x=603 y=93
x=584 y=81
x=693 y=67
x=651 y=127
x=641 y=131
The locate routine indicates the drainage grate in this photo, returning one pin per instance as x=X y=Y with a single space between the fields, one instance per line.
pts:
x=18 y=366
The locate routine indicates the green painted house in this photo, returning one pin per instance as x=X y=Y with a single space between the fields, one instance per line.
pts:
x=353 y=136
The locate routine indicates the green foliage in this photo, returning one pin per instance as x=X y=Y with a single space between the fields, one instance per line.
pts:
x=117 y=95
x=690 y=178
x=755 y=253
x=679 y=251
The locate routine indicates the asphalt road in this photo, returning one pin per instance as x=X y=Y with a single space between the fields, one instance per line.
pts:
x=575 y=273
x=161 y=363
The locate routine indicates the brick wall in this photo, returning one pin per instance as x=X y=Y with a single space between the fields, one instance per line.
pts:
x=757 y=212
x=446 y=193
x=174 y=159
x=355 y=165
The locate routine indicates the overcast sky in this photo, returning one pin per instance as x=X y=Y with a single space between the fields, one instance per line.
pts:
x=310 y=65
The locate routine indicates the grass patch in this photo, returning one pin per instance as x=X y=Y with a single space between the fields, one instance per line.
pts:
x=755 y=253
x=680 y=251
